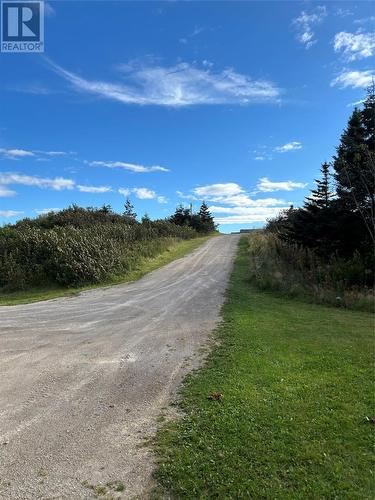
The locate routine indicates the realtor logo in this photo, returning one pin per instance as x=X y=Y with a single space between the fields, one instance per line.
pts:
x=22 y=26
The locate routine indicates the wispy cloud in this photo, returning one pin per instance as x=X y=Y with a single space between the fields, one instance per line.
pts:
x=196 y=31
x=143 y=193
x=15 y=153
x=43 y=211
x=354 y=45
x=18 y=153
x=57 y=184
x=10 y=213
x=364 y=20
x=305 y=23
x=132 y=167
x=175 y=86
x=5 y=192
x=354 y=79
x=266 y=186
x=289 y=146
x=266 y=152
x=93 y=189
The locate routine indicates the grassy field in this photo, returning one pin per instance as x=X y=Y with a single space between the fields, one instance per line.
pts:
x=176 y=251
x=295 y=416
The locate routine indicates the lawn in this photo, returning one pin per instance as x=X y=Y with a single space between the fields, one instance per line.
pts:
x=294 y=419
x=176 y=251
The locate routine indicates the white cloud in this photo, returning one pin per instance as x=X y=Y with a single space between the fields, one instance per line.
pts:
x=354 y=46
x=185 y=196
x=4 y=192
x=10 y=213
x=365 y=20
x=43 y=211
x=143 y=193
x=305 y=22
x=343 y=12
x=246 y=219
x=15 y=153
x=356 y=103
x=266 y=186
x=124 y=191
x=354 y=79
x=93 y=189
x=227 y=189
x=290 y=146
x=132 y=167
x=176 y=86
x=235 y=201
x=58 y=183
x=244 y=215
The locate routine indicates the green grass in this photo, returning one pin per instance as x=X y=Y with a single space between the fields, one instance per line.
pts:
x=176 y=251
x=295 y=417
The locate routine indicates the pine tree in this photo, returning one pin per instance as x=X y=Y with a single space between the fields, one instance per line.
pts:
x=322 y=195
x=129 y=212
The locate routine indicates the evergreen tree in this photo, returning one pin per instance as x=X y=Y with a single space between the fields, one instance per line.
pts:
x=146 y=219
x=129 y=212
x=368 y=114
x=354 y=167
x=352 y=184
x=321 y=196
x=182 y=216
x=105 y=209
x=206 y=219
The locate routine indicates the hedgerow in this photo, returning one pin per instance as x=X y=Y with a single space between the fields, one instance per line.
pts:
x=32 y=255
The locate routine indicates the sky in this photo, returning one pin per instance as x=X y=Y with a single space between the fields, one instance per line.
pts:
x=232 y=103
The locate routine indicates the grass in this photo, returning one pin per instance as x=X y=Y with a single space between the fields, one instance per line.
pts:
x=176 y=251
x=295 y=416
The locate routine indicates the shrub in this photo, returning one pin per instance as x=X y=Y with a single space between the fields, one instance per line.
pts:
x=296 y=271
x=32 y=255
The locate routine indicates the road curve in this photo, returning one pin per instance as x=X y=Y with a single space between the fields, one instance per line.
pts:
x=83 y=379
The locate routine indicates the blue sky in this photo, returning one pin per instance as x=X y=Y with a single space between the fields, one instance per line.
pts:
x=234 y=103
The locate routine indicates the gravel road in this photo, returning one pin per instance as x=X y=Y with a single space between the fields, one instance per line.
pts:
x=83 y=379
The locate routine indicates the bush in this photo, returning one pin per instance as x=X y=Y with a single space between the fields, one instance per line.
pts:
x=298 y=272
x=73 y=255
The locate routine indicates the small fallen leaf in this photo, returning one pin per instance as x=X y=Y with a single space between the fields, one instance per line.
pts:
x=215 y=396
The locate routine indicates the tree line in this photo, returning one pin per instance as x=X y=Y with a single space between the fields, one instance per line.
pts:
x=337 y=218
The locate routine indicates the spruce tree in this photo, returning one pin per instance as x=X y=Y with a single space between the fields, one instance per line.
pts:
x=352 y=182
x=354 y=168
x=368 y=114
x=322 y=195
x=206 y=219
x=129 y=212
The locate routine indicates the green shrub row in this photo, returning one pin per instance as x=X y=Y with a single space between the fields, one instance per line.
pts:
x=71 y=256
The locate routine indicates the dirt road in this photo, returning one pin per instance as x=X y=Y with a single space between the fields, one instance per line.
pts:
x=83 y=379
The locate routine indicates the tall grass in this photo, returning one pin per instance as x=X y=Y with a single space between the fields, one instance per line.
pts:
x=294 y=271
x=71 y=256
